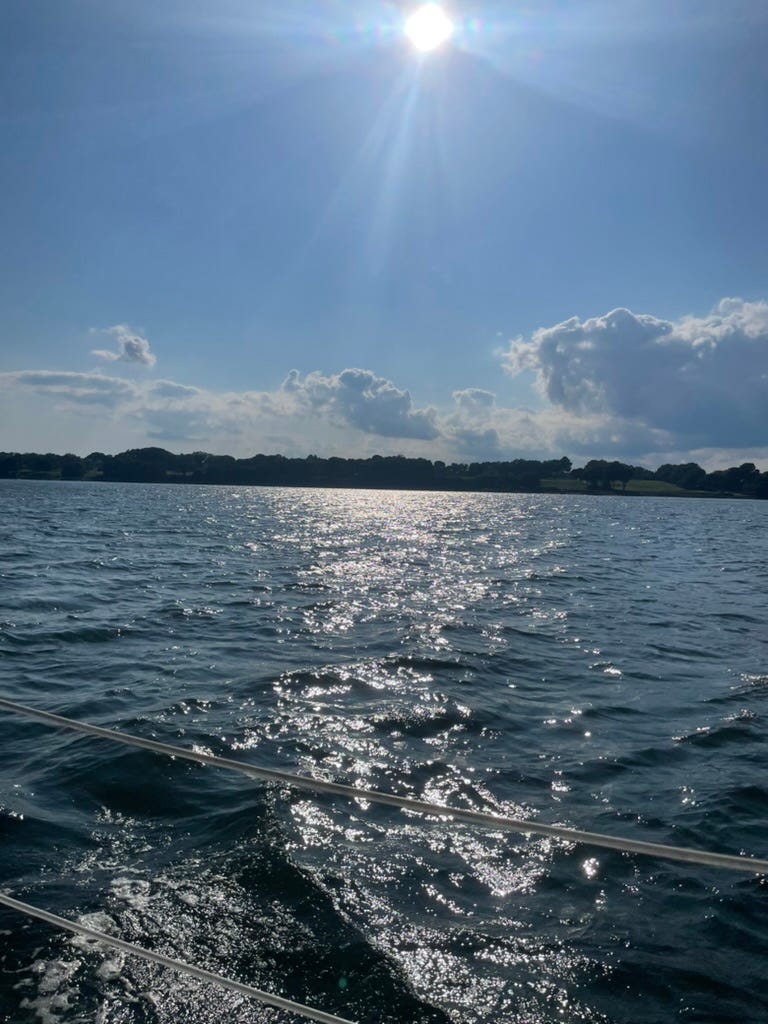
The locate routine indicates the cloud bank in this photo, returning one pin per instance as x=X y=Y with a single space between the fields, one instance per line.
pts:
x=620 y=385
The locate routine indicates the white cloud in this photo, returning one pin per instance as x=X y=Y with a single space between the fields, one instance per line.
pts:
x=698 y=382
x=468 y=427
x=624 y=386
x=131 y=347
x=333 y=414
x=169 y=389
x=360 y=399
x=474 y=401
x=88 y=388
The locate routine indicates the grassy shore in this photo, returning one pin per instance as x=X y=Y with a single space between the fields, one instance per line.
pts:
x=638 y=488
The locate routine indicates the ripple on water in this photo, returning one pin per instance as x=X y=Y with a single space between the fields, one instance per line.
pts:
x=566 y=658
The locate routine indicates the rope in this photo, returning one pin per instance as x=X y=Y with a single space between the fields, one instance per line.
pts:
x=176 y=965
x=752 y=865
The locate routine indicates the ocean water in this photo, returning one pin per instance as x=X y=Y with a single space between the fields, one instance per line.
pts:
x=600 y=662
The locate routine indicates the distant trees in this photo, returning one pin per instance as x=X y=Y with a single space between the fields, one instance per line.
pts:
x=140 y=465
x=757 y=486
x=156 y=465
x=689 y=475
x=71 y=467
x=737 y=478
x=744 y=479
x=10 y=465
x=601 y=475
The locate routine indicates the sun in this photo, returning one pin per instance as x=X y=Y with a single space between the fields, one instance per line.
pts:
x=429 y=27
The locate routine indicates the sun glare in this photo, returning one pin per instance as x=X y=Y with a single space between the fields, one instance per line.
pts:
x=429 y=27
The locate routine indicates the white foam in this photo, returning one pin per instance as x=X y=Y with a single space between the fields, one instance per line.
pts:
x=111 y=970
x=53 y=981
x=136 y=892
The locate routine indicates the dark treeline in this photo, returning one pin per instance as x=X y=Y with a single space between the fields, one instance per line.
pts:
x=745 y=479
x=155 y=465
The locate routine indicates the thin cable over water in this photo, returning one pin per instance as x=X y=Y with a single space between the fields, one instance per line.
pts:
x=752 y=865
x=267 y=998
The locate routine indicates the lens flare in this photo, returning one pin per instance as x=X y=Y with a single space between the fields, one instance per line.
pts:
x=429 y=27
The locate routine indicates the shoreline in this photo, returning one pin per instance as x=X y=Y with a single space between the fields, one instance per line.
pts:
x=391 y=472
x=630 y=492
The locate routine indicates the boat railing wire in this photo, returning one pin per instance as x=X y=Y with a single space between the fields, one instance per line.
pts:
x=267 y=998
x=497 y=822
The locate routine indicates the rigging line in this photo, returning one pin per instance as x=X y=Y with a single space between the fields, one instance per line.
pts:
x=267 y=998
x=752 y=865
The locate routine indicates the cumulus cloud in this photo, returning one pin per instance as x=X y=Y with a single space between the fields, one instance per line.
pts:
x=131 y=347
x=474 y=401
x=468 y=427
x=360 y=399
x=316 y=406
x=694 y=382
x=621 y=385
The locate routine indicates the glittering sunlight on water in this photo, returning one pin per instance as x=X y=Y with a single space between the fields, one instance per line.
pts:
x=598 y=662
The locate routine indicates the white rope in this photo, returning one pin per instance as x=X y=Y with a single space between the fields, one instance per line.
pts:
x=176 y=965
x=752 y=865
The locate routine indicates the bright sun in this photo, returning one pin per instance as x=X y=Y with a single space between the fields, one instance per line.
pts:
x=429 y=27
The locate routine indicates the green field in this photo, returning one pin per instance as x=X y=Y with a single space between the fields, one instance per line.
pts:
x=650 y=488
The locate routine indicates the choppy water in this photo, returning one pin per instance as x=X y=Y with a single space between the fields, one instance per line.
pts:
x=600 y=662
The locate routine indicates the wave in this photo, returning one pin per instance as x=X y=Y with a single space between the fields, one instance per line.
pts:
x=239 y=906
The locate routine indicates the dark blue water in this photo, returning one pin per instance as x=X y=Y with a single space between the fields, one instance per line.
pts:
x=599 y=662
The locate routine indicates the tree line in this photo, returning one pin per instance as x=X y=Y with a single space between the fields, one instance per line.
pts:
x=156 y=465
x=745 y=479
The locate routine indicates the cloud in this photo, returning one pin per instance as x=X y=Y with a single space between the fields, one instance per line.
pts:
x=481 y=444
x=697 y=382
x=177 y=424
x=176 y=412
x=131 y=348
x=622 y=385
x=168 y=389
x=317 y=407
x=86 y=388
x=360 y=399
x=318 y=412
x=468 y=427
x=474 y=401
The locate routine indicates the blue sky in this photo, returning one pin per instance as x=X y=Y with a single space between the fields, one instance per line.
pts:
x=213 y=195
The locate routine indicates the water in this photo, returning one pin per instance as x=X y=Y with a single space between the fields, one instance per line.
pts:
x=598 y=662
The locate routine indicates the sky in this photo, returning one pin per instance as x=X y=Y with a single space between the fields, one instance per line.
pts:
x=239 y=228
